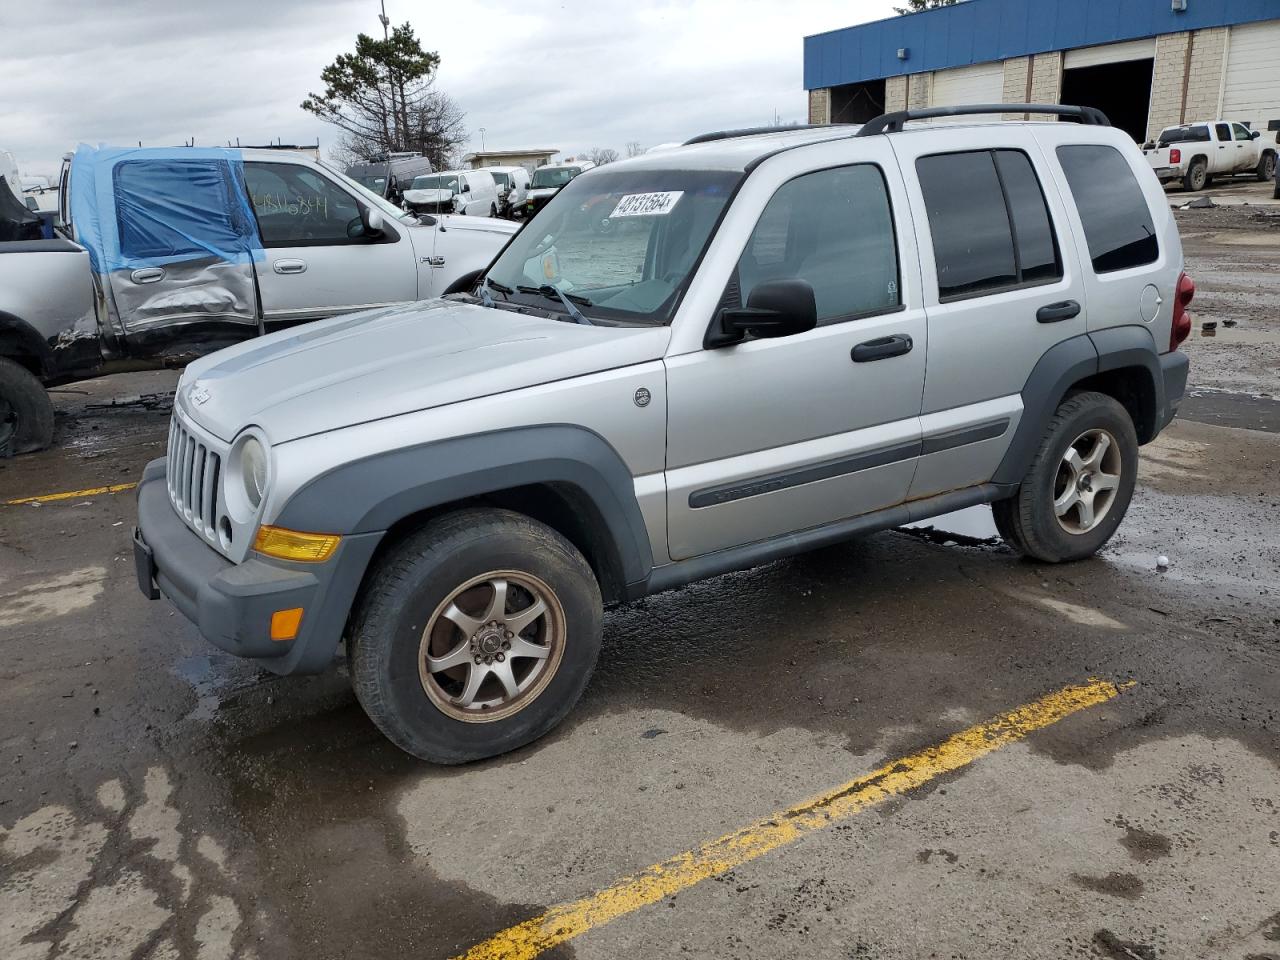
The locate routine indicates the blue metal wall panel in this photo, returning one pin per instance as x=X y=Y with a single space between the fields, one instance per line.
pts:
x=983 y=30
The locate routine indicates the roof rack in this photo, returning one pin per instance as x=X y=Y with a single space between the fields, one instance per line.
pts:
x=893 y=122
x=755 y=131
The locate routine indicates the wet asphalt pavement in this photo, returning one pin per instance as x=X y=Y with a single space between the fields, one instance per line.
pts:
x=159 y=799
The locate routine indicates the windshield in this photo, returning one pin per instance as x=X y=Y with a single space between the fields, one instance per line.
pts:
x=502 y=180
x=377 y=184
x=554 y=176
x=623 y=244
x=1198 y=134
x=441 y=182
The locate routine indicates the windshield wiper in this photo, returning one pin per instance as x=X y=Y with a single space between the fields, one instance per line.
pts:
x=485 y=284
x=555 y=293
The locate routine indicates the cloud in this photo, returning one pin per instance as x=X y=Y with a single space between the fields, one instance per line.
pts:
x=571 y=75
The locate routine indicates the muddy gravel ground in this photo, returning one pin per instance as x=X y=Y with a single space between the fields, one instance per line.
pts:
x=159 y=799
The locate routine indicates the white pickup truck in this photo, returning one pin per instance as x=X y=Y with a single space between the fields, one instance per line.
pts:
x=1195 y=153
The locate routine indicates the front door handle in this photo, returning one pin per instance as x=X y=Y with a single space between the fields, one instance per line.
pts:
x=881 y=348
x=1054 y=312
x=289 y=266
x=147 y=275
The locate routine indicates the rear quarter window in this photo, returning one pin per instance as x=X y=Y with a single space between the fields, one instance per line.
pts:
x=1112 y=207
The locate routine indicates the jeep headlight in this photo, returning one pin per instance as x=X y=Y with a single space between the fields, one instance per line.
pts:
x=253 y=471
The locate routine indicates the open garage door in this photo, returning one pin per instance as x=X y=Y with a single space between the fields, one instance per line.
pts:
x=1252 y=91
x=983 y=83
x=1115 y=78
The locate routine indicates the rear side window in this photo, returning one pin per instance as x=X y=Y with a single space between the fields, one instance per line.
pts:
x=1112 y=207
x=990 y=224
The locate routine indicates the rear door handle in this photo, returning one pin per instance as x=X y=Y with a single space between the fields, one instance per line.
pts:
x=147 y=275
x=1054 y=312
x=881 y=347
x=289 y=266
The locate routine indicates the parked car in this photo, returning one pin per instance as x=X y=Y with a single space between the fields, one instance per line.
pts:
x=1195 y=153
x=513 y=187
x=735 y=372
x=166 y=254
x=547 y=181
x=389 y=175
x=465 y=192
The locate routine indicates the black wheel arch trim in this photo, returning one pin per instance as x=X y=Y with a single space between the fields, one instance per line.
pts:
x=1078 y=358
x=16 y=331
x=376 y=492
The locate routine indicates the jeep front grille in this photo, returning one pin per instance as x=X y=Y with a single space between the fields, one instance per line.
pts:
x=193 y=474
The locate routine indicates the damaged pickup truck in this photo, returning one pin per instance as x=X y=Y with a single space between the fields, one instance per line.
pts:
x=163 y=255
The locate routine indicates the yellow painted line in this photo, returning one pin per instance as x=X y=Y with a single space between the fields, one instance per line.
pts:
x=72 y=494
x=565 y=921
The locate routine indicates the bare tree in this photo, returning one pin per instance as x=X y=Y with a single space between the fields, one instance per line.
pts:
x=602 y=155
x=633 y=149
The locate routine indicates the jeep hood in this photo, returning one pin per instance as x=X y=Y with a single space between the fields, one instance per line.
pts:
x=366 y=366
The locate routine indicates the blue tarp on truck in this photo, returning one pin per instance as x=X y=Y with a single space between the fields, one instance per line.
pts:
x=170 y=232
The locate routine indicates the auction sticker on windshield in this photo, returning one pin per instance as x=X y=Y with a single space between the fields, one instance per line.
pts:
x=646 y=204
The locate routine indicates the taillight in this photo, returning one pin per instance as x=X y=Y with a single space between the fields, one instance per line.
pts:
x=1175 y=155
x=1181 y=328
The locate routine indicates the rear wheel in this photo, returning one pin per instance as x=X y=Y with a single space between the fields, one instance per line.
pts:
x=1197 y=175
x=1266 y=167
x=493 y=209
x=477 y=635
x=1079 y=484
x=26 y=415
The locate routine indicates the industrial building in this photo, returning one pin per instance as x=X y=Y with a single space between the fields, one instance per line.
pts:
x=1148 y=64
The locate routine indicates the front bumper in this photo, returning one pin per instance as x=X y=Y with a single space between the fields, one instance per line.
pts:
x=232 y=603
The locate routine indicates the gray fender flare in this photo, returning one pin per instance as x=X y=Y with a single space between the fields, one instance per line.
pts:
x=1065 y=364
x=373 y=493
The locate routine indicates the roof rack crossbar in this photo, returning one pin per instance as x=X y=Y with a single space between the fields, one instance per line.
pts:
x=893 y=122
x=752 y=132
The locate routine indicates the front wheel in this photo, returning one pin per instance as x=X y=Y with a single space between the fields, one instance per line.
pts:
x=477 y=635
x=1079 y=485
x=26 y=414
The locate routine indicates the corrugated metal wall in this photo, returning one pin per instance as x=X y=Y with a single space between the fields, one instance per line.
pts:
x=982 y=30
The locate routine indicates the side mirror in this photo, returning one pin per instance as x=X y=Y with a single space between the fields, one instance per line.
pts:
x=367 y=226
x=776 y=308
x=466 y=188
x=1255 y=134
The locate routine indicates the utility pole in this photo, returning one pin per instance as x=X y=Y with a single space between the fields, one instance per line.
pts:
x=482 y=139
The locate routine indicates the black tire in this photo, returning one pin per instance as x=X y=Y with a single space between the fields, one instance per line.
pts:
x=1197 y=177
x=414 y=579
x=26 y=415
x=493 y=210
x=1266 y=167
x=1028 y=522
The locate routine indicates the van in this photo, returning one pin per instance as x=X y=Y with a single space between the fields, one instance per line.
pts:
x=513 y=187
x=389 y=175
x=471 y=193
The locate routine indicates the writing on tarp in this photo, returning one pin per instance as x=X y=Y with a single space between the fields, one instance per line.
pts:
x=299 y=205
x=646 y=204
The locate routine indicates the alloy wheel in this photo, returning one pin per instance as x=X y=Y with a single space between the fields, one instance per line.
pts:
x=1088 y=477
x=492 y=646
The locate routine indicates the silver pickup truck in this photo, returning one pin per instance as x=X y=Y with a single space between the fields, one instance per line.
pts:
x=170 y=253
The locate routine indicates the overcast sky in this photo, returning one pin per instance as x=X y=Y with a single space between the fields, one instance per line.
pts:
x=534 y=73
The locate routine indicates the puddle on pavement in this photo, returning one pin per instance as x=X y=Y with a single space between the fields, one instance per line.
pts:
x=215 y=679
x=972 y=526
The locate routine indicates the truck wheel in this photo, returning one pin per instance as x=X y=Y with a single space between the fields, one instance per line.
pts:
x=493 y=210
x=1266 y=167
x=476 y=635
x=1197 y=175
x=1079 y=485
x=26 y=415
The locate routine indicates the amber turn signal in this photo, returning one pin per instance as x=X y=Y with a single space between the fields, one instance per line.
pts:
x=285 y=623
x=293 y=545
